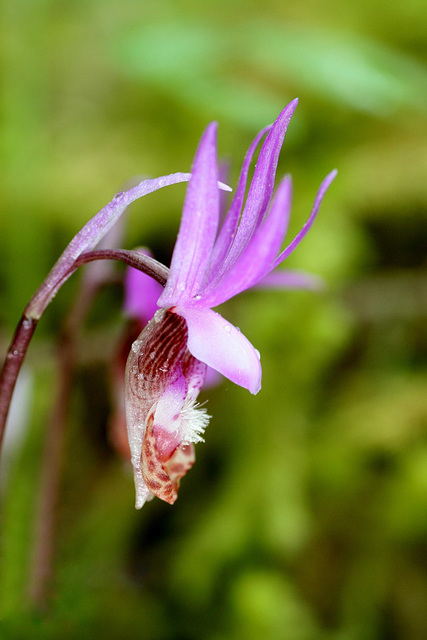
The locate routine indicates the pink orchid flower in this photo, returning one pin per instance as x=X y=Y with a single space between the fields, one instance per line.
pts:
x=211 y=263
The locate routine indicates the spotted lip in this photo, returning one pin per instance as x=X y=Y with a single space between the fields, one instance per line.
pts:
x=160 y=369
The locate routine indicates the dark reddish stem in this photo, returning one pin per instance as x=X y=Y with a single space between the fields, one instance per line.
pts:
x=44 y=541
x=135 y=259
x=12 y=364
x=41 y=299
x=44 y=548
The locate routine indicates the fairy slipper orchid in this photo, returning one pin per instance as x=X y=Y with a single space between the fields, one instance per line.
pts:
x=211 y=263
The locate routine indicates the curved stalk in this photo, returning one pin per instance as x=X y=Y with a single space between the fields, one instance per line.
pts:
x=12 y=365
x=27 y=325
x=41 y=571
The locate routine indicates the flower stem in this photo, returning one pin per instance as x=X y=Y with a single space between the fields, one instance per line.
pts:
x=135 y=259
x=12 y=364
x=41 y=571
x=39 y=302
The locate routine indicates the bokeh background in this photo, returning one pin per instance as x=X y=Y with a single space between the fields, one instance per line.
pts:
x=305 y=517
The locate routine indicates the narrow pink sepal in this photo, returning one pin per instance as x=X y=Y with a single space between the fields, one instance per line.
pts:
x=228 y=230
x=141 y=293
x=257 y=258
x=289 y=279
x=199 y=224
x=219 y=344
x=317 y=202
x=89 y=236
x=262 y=185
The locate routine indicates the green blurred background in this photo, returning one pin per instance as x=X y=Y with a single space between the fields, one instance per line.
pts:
x=305 y=517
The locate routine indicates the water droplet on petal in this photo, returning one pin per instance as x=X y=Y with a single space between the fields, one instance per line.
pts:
x=227 y=328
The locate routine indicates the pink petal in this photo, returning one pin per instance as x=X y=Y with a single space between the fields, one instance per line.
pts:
x=228 y=230
x=213 y=378
x=258 y=256
x=289 y=279
x=223 y=177
x=222 y=346
x=262 y=186
x=199 y=224
x=141 y=294
x=167 y=417
x=319 y=197
x=195 y=375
